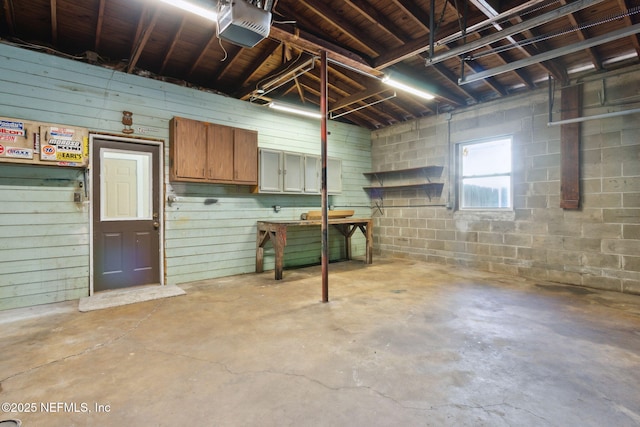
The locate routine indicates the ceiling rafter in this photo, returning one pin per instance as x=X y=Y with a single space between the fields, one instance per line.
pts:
x=144 y=16
x=527 y=51
x=491 y=81
x=595 y=58
x=367 y=45
x=311 y=88
x=500 y=56
x=312 y=84
x=521 y=74
x=413 y=12
x=9 y=16
x=364 y=114
x=575 y=47
x=271 y=75
x=54 y=22
x=373 y=73
x=360 y=40
x=414 y=47
x=508 y=33
x=314 y=45
x=548 y=67
x=444 y=72
x=99 y=24
x=142 y=37
x=336 y=85
x=213 y=39
x=635 y=39
x=233 y=58
x=244 y=79
x=355 y=83
x=174 y=42
x=403 y=39
x=380 y=21
x=371 y=91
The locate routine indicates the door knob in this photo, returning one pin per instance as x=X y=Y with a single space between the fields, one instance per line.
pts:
x=156 y=224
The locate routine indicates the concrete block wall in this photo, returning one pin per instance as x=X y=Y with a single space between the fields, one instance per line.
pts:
x=595 y=246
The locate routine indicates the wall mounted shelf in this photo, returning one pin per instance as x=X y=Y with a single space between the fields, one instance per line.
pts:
x=404 y=179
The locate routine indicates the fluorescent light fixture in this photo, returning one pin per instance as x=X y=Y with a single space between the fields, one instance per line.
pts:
x=412 y=90
x=193 y=8
x=295 y=110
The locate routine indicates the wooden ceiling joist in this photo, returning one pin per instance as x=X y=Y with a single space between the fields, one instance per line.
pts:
x=9 y=16
x=54 y=22
x=172 y=45
x=99 y=25
x=361 y=38
x=142 y=37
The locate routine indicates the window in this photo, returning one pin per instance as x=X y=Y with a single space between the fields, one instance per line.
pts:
x=125 y=185
x=485 y=174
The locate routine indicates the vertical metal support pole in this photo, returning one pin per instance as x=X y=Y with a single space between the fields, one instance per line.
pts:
x=464 y=37
x=432 y=29
x=551 y=94
x=323 y=151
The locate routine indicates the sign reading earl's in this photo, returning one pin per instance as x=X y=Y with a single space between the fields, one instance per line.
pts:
x=61 y=150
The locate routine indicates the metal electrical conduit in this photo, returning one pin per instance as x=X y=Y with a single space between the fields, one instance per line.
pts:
x=594 y=117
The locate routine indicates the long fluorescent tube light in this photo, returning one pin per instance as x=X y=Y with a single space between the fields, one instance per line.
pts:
x=193 y=8
x=412 y=90
x=294 y=110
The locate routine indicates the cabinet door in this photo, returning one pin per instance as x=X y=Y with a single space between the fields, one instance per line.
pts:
x=188 y=149
x=220 y=153
x=293 y=172
x=334 y=175
x=245 y=157
x=270 y=171
x=311 y=174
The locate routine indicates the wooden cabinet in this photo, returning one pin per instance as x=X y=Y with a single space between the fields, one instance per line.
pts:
x=188 y=137
x=220 y=153
x=207 y=152
x=245 y=156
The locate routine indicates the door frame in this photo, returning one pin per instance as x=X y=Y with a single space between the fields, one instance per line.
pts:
x=109 y=137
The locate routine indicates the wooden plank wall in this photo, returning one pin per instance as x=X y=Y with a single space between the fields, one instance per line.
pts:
x=201 y=240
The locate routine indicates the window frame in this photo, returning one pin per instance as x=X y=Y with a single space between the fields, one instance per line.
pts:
x=461 y=177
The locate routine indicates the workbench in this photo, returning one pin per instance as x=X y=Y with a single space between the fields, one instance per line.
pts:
x=276 y=231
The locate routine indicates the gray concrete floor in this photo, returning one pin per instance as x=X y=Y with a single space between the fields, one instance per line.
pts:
x=400 y=344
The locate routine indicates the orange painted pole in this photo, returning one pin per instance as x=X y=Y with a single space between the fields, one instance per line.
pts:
x=323 y=152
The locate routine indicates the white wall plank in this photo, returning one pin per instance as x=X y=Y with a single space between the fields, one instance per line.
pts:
x=201 y=241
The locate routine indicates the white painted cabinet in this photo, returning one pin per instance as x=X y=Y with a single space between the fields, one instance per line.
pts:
x=312 y=170
x=334 y=175
x=289 y=172
x=293 y=172
x=270 y=171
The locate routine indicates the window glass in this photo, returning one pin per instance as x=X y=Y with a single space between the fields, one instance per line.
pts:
x=485 y=174
x=125 y=185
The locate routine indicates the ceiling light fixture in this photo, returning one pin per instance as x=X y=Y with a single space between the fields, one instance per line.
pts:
x=193 y=8
x=295 y=110
x=405 y=87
